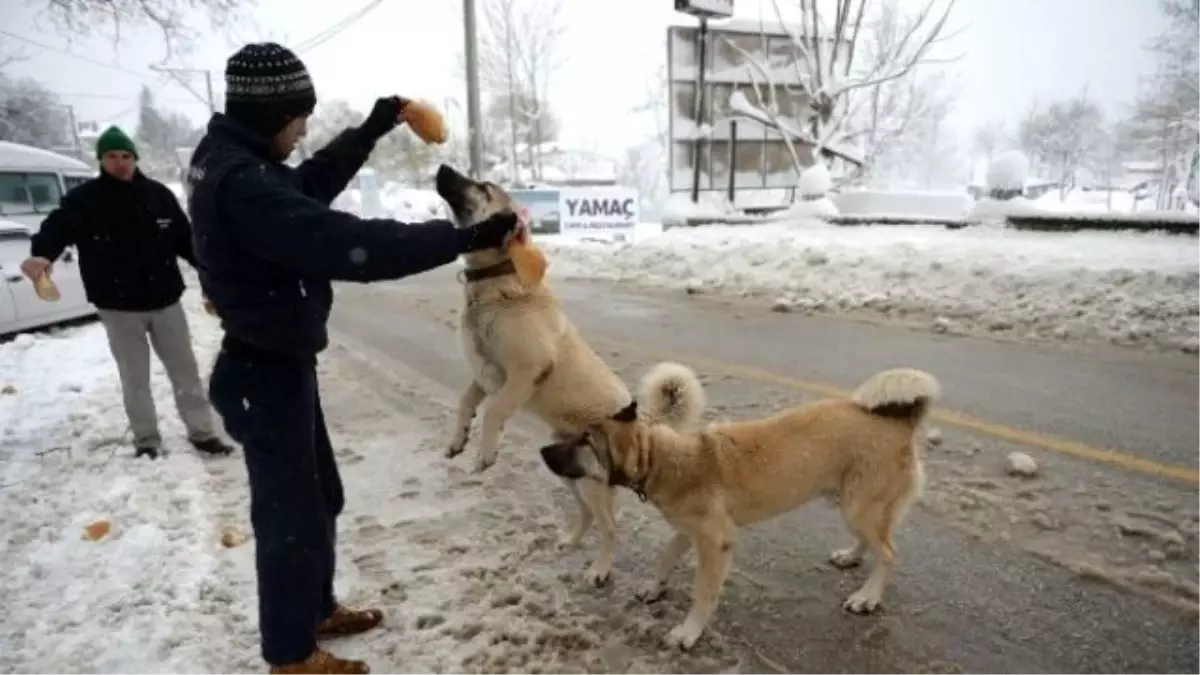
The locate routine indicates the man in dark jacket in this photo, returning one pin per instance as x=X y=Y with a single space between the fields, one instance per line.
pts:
x=129 y=230
x=269 y=247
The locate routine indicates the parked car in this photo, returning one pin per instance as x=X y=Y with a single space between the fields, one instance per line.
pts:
x=33 y=181
x=20 y=307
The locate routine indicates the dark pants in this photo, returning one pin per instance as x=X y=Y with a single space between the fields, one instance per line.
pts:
x=270 y=404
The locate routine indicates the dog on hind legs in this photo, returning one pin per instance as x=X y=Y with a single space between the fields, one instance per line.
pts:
x=525 y=354
x=860 y=452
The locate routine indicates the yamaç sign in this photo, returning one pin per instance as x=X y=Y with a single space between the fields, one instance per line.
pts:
x=599 y=212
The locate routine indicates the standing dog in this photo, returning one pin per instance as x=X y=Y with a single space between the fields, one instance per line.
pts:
x=708 y=483
x=524 y=353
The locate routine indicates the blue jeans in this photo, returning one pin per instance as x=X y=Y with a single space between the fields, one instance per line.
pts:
x=270 y=404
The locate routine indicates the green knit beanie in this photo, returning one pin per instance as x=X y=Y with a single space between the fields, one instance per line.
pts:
x=114 y=139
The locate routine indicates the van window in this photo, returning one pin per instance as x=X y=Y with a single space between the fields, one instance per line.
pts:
x=26 y=193
x=14 y=197
x=44 y=191
x=73 y=182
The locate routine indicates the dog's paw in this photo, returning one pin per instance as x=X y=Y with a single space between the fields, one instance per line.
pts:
x=845 y=558
x=455 y=449
x=683 y=637
x=483 y=463
x=598 y=575
x=861 y=603
x=651 y=592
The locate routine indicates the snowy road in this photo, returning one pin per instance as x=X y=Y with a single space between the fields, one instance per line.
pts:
x=1090 y=566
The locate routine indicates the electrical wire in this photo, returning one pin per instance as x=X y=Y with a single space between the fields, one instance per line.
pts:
x=81 y=57
x=332 y=31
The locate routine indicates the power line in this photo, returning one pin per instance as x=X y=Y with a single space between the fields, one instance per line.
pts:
x=118 y=97
x=332 y=31
x=81 y=57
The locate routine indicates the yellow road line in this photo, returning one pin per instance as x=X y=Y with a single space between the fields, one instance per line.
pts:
x=1034 y=439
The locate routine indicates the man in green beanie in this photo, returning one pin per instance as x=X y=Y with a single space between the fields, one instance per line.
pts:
x=129 y=230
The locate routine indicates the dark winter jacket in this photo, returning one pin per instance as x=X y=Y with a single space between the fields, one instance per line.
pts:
x=269 y=244
x=128 y=234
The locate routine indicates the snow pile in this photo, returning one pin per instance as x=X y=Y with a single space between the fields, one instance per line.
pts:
x=405 y=204
x=132 y=601
x=812 y=191
x=680 y=208
x=900 y=205
x=1122 y=287
x=1008 y=171
x=1006 y=178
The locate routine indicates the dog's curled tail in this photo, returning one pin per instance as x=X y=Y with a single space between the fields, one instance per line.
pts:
x=671 y=394
x=902 y=393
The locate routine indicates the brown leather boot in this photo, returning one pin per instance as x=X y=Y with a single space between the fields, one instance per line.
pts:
x=321 y=661
x=346 y=621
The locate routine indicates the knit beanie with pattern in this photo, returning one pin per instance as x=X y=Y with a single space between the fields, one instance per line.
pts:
x=114 y=139
x=266 y=86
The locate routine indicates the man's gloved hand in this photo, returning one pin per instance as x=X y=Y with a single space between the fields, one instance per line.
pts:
x=491 y=233
x=384 y=116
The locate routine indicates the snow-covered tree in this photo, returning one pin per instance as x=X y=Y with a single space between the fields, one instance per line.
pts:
x=1063 y=138
x=1166 y=122
x=861 y=53
x=31 y=114
x=159 y=134
x=990 y=138
x=519 y=50
x=172 y=18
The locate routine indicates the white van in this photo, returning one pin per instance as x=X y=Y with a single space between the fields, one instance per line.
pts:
x=32 y=182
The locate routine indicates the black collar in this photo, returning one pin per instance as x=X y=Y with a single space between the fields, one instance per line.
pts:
x=492 y=271
x=617 y=478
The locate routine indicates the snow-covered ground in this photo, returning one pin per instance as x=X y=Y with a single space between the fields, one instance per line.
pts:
x=466 y=568
x=1122 y=287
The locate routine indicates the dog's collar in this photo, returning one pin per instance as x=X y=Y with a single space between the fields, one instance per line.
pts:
x=490 y=272
x=618 y=478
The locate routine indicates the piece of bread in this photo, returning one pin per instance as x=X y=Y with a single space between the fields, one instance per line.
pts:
x=529 y=260
x=426 y=122
x=96 y=530
x=46 y=289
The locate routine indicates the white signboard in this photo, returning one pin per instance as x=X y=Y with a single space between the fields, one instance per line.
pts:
x=598 y=212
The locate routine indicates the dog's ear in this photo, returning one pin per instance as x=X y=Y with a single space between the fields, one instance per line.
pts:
x=627 y=414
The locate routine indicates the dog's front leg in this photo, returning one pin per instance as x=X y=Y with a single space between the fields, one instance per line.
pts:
x=517 y=390
x=667 y=562
x=468 y=403
x=714 y=548
x=600 y=500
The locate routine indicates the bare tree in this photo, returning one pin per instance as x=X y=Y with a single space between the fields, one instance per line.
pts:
x=860 y=56
x=519 y=52
x=170 y=17
x=1064 y=138
x=644 y=164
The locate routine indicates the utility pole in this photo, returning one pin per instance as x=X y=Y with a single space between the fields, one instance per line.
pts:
x=177 y=75
x=474 y=117
x=74 y=131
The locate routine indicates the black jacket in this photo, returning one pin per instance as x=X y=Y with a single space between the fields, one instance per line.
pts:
x=269 y=244
x=128 y=234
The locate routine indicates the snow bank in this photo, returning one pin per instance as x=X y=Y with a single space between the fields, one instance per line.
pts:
x=136 y=600
x=680 y=208
x=903 y=204
x=1122 y=287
